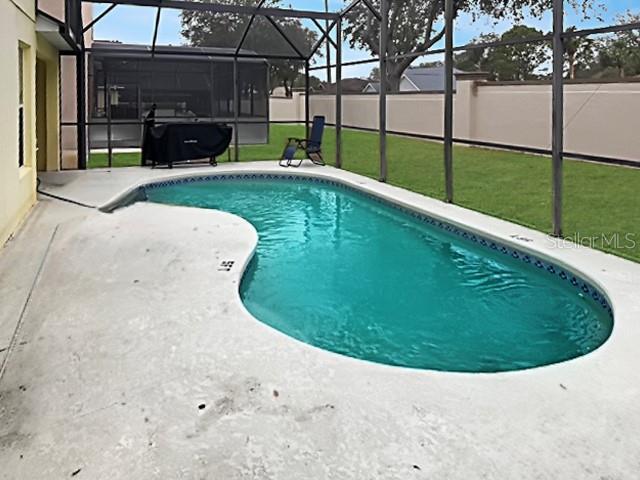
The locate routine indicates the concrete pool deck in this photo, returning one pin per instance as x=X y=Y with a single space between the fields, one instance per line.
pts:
x=127 y=353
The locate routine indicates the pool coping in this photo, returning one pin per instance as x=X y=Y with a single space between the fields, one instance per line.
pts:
x=586 y=264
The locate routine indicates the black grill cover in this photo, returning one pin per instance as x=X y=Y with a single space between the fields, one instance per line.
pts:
x=178 y=142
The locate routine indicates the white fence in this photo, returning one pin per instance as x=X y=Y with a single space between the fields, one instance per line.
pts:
x=601 y=119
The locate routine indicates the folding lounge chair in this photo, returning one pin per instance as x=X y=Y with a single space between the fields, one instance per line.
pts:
x=312 y=146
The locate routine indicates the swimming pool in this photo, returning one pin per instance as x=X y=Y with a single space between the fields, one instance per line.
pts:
x=360 y=276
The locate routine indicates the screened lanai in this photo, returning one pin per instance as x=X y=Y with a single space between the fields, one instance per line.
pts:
x=224 y=80
x=124 y=83
x=260 y=31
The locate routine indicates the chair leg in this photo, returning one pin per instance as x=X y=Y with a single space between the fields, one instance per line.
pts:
x=288 y=156
x=282 y=161
x=291 y=164
x=317 y=159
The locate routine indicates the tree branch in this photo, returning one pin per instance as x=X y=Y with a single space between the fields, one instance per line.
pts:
x=404 y=63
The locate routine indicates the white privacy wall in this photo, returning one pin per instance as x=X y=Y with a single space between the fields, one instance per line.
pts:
x=601 y=119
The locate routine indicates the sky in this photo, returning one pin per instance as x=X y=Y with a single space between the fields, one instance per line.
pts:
x=135 y=25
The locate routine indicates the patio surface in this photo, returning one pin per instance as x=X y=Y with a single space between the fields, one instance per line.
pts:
x=126 y=353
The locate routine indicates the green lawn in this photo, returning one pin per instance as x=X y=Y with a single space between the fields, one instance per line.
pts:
x=601 y=202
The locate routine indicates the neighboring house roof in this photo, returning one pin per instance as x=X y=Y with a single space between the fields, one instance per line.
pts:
x=372 y=87
x=349 y=85
x=429 y=79
x=419 y=79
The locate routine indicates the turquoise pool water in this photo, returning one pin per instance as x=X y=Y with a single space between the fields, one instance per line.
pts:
x=355 y=276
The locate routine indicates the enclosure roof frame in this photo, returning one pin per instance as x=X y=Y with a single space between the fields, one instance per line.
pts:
x=258 y=10
x=214 y=7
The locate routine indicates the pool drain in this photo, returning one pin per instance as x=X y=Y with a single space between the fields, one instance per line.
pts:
x=226 y=266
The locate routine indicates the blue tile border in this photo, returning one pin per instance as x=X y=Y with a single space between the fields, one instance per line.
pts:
x=582 y=286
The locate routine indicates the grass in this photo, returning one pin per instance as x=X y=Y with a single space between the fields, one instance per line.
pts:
x=601 y=202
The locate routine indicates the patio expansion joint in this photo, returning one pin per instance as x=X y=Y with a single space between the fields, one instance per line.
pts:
x=16 y=333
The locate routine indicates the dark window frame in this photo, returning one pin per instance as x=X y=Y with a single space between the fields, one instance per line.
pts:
x=21 y=126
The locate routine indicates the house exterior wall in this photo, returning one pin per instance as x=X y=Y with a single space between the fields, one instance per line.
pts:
x=601 y=119
x=50 y=59
x=18 y=183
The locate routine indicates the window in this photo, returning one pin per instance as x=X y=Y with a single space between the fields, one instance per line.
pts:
x=21 y=62
x=126 y=88
x=180 y=89
x=223 y=91
x=253 y=90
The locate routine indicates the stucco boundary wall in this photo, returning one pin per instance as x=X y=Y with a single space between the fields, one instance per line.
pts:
x=601 y=119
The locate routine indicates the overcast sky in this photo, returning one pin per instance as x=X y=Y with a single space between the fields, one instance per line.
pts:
x=135 y=25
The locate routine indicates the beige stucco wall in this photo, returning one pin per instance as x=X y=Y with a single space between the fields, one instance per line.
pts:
x=403 y=110
x=601 y=119
x=519 y=115
x=283 y=108
x=18 y=184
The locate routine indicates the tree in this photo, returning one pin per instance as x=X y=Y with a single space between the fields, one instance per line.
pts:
x=284 y=73
x=476 y=59
x=416 y=25
x=620 y=53
x=209 y=29
x=579 y=53
x=315 y=84
x=517 y=62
